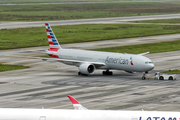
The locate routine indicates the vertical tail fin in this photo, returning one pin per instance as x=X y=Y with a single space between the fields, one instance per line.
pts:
x=76 y=104
x=53 y=43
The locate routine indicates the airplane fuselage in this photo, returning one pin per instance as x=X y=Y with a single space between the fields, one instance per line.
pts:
x=54 y=114
x=117 y=61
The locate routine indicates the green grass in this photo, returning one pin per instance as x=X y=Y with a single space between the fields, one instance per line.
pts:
x=47 y=1
x=46 y=56
x=79 y=11
x=31 y=37
x=152 y=48
x=175 y=21
x=4 y=67
x=176 y=71
x=34 y=1
x=54 y=15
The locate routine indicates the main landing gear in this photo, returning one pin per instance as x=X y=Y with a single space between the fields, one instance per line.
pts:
x=107 y=72
x=79 y=73
x=144 y=75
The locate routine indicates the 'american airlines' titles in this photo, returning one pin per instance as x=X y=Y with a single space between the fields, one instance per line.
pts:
x=116 y=60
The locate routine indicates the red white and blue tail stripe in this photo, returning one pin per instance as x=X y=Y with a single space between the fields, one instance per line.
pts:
x=53 y=43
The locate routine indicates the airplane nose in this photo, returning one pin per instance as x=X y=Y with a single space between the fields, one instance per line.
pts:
x=151 y=66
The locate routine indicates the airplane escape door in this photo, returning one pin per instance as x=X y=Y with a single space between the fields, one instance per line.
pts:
x=42 y=118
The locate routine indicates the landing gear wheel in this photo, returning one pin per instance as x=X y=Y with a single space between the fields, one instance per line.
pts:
x=79 y=73
x=107 y=72
x=144 y=76
x=104 y=72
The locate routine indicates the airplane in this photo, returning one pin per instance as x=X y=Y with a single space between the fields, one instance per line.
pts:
x=88 y=61
x=82 y=113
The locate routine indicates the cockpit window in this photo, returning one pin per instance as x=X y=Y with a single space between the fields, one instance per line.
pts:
x=148 y=62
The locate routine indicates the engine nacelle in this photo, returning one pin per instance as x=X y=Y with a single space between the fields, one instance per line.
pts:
x=87 y=68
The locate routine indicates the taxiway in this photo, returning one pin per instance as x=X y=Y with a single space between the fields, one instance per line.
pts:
x=46 y=84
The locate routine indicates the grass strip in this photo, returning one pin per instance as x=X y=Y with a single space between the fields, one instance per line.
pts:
x=176 y=71
x=46 y=56
x=152 y=48
x=31 y=37
x=4 y=67
x=174 y=21
x=83 y=11
x=64 y=1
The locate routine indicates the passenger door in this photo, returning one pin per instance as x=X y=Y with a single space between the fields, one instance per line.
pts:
x=42 y=118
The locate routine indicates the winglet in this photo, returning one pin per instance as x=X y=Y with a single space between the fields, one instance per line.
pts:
x=76 y=104
x=73 y=100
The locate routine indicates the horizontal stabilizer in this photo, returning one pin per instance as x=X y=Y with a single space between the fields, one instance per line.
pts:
x=49 y=52
x=143 y=53
x=76 y=104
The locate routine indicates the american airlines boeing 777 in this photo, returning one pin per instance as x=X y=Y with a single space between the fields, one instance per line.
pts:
x=82 y=113
x=88 y=61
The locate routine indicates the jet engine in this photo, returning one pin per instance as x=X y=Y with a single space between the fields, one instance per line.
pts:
x=87 y=68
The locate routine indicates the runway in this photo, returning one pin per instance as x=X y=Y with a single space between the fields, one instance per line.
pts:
x=47 y=83
x=13 y=25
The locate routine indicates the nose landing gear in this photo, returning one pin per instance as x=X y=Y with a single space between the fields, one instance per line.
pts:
x=144 y=75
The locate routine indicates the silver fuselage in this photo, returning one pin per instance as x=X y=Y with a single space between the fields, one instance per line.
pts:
x=116 y=61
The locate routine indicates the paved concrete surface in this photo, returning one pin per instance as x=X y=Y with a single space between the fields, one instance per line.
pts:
x=47 y=83
x=12 y=25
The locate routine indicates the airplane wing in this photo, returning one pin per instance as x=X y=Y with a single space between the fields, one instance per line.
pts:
x=143 y=53
x=74 y=61
x=57 y=59
x=76 y=104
